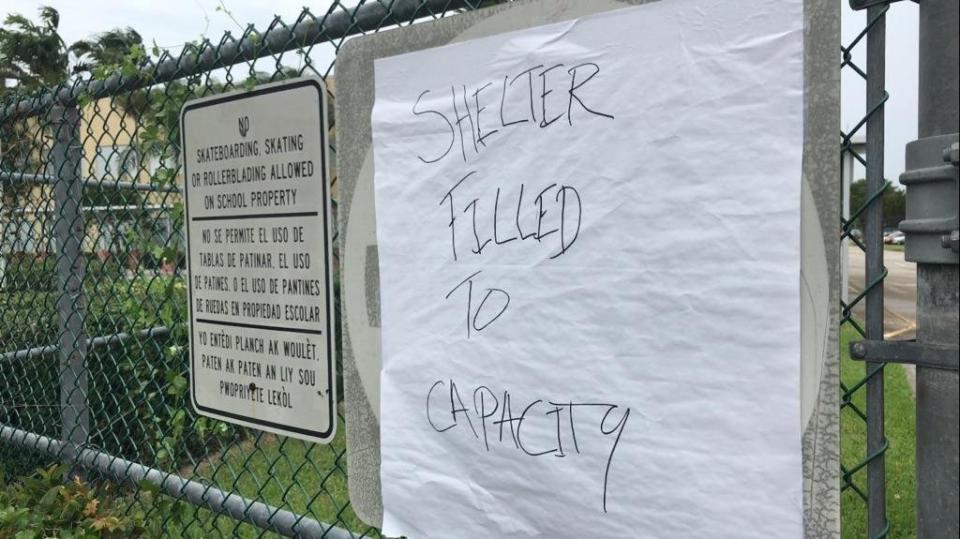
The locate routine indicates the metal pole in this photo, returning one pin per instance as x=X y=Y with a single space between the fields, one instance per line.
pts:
x=4 y=220
x=5 y=209
x=938 y=411
x=873 y=240
x=846 y=173
x=158 y=332
x=18 y=177
x=68 y=232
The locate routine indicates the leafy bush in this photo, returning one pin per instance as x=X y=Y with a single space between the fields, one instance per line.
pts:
x=138 y=393
x=103 y=271
x=139 y=390
x=44 y=505
x=27 y=319
x=29 y=271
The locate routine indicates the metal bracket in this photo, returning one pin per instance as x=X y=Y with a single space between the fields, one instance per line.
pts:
x=910 y=352
x=952 y=155
x=932 y=179
x=864 y=4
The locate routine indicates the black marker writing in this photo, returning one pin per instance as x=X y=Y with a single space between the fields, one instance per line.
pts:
x=474 y=314
x=574 y=87
x=557 y=208
x=499 y=424
x=448 y=196
x=442 y=117
x=544 y=122
x=462 y=113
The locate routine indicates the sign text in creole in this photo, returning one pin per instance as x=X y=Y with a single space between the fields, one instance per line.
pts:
x=259 y=249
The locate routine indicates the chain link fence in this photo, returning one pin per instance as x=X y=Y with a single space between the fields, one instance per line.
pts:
x=93 y=355
x=863 y=475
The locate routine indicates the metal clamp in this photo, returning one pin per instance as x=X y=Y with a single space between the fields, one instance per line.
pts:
x=864 y=4
x=932 y=179
x=952 y=155
x=910 y=352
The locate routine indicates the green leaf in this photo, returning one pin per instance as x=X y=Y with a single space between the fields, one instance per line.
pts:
x=51 y=496
x=147 y=486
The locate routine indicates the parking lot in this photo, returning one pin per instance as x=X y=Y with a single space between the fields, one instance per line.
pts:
x=899 y=295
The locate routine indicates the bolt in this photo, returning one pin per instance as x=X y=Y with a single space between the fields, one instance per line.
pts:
x=952 y=154
x=951 y=241
x=858 y=350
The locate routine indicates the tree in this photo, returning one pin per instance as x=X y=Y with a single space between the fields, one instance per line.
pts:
x=34 y=55
x=894 y=203
x=106 y=49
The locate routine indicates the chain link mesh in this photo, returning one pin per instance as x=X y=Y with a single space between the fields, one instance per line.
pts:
x=95 y=270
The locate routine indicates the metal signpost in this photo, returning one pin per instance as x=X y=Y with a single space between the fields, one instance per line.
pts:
x=260 y=269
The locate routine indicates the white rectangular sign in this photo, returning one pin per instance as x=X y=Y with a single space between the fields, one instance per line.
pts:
x=260 y=259
x=589 y=271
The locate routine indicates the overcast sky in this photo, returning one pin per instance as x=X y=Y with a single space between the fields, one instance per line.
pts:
x=172 y=22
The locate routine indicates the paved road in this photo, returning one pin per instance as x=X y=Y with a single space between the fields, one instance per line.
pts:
x=899 y=292
x=899 y=296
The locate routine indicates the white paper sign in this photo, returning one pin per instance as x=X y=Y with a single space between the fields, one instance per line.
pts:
x=589 y=261
x=260 y=259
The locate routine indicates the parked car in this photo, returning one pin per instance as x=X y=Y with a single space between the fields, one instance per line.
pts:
x=894 y=238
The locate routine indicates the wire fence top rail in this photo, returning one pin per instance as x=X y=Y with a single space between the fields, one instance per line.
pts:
x=279 y=38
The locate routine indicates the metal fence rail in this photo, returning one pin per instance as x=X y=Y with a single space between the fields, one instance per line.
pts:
x=930 y=226
x=270 y=518
x=339 y=22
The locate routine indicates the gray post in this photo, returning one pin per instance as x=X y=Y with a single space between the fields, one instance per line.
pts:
x=932 y=207
x=68 y=232
x=873 y=266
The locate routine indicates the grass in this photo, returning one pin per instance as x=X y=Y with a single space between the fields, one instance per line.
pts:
x=297 y=476
x=899 y=424
x=891 y=247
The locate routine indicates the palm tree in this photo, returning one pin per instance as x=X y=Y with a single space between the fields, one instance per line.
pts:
x=105 y=49
x=34 y=55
